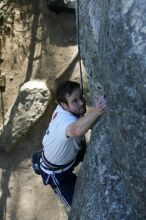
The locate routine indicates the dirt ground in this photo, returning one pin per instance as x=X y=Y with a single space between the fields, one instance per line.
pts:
x=35 y=43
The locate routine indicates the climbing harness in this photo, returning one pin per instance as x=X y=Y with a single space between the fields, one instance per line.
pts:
x=54 y=167
x=38 y=159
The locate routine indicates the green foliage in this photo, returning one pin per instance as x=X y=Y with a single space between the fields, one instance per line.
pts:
x=19 y=2
x=2 y=17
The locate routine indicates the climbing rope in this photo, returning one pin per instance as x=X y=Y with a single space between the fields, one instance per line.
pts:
x=2 y=89
x=80 y=66
x=2 y=110
x=79 y=50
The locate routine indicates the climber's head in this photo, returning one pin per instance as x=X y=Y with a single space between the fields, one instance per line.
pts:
x=70 y=97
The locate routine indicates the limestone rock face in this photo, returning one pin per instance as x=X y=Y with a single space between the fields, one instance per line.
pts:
x=32 y=101
x=112 y=181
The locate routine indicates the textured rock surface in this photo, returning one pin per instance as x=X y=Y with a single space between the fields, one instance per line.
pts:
x=29 y=106
x=112 y=180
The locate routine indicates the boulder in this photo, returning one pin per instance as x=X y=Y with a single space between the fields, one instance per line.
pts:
x=31 y=103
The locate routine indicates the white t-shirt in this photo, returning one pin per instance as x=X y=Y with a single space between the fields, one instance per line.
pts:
x=58 y=148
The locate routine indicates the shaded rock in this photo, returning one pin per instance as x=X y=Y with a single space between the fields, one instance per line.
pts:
x=111 y=182
x=31 y=103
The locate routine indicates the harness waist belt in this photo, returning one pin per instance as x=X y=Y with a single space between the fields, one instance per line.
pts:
x=51 y=166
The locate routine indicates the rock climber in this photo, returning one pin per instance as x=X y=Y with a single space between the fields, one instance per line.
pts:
x=62 y=142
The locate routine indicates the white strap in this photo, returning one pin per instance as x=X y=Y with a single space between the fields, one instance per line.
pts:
x=76 y=145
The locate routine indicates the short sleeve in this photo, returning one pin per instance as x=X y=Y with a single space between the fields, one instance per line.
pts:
x=63 y=124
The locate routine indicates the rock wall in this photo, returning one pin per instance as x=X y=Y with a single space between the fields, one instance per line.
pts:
x=111 y=183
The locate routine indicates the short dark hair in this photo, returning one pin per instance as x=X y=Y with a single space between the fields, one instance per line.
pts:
x=65 y=88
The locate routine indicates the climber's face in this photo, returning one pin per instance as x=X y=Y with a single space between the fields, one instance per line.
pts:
x=75 y=103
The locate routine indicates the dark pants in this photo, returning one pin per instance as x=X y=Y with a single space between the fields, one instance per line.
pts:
x=63 y=183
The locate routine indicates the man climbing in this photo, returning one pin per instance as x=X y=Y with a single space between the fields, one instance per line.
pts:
x=62 y=148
